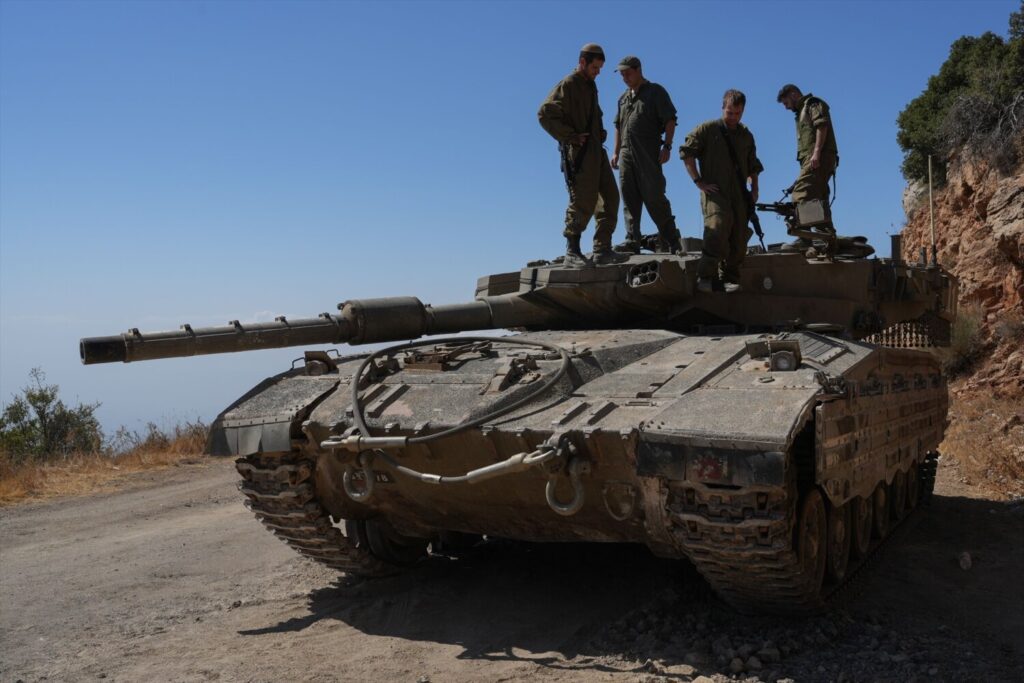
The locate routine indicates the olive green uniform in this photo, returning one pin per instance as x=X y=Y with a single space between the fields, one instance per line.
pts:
x=725 y=212
x=641 y=120
x=566 y=112
x=812 y=183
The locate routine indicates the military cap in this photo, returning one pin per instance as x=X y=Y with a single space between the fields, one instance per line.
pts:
x=629 y=62
x=594 y=49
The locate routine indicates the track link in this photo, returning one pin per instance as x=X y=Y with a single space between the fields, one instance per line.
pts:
x=280 y=491
x=746 y=548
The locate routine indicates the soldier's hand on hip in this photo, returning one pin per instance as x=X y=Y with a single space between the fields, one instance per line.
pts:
x=707 y=188
x=815 y=160
x=579 y=139
x=615 y=161
x=663 y=156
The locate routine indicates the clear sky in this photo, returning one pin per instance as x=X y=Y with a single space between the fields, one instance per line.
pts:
x=172 y=162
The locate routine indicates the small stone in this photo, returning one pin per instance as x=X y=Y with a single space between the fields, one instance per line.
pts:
x=736 y=665
x=423 y=679
x=651 y=666
x=769 y=654
x=703 y=679
x=746 y=651
x=694 y=658
x=965 y=560
x=754 y=664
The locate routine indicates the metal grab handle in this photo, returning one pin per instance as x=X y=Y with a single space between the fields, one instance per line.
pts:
x=368 y=478
x=573 y=506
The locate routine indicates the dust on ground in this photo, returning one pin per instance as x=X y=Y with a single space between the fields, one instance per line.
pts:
x=173 y=579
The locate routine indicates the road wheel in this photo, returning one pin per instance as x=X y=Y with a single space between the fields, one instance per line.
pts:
x=880 y=510
x=913 y=486
x=839 y=533
x=384 y=543
x=812 y=537
x=860 y=520
x=898 y=494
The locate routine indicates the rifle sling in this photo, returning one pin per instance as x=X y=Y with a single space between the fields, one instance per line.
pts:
x=583 y=148
x=735 y=162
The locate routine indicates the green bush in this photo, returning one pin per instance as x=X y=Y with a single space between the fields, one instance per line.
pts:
x=965 y=341
x=38 y=425
x=974 y=105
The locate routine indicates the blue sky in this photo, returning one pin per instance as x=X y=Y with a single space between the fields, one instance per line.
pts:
x=171 y=162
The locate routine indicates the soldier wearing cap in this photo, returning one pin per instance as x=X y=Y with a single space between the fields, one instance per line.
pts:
x=571 y=114
x=645 y=113
x=721 y=193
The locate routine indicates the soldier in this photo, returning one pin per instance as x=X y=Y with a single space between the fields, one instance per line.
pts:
x=725 y=150
x=645 y=113
x=815 y=149
x=571 y=114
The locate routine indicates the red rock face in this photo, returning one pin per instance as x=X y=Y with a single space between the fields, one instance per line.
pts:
x=979 y=234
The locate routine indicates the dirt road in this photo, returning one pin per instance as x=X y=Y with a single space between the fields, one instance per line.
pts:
x=174 y=580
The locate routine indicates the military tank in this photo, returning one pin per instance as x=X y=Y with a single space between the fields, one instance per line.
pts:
x=772 y=436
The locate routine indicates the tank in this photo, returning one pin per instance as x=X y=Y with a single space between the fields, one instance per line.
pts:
x=772 y=436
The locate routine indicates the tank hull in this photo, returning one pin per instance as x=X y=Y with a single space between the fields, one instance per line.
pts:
x=699 y=447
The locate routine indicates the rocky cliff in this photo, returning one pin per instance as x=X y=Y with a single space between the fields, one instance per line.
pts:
x=979 y=235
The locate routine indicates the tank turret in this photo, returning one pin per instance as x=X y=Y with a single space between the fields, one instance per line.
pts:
x=860 y=297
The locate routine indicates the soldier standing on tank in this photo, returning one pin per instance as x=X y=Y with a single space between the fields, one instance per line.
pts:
x=645 y=113
x=816 y=150
x=571 y=114
x=721 y=183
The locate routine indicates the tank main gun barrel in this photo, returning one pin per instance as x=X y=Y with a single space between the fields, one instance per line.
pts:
x=361 y=321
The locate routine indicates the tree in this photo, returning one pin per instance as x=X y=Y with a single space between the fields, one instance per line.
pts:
x=38 y=425
x=974 y=104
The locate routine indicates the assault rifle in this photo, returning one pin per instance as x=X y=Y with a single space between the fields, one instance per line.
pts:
x=748 y=197
x=784 y=209
x=570 y=168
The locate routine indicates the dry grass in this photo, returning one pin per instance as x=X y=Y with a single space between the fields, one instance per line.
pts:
x=88 y=472
x=985 y=442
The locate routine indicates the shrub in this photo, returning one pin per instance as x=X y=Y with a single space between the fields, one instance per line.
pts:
x=965 y=341
x=38 y=425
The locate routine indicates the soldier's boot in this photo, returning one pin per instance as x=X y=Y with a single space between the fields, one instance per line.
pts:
x=605 y=255
x=631 y=245
x=674 y=241
x=573 y=256
x=705 y=285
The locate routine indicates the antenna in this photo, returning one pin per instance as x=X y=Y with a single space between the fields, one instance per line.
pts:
x=931 y=210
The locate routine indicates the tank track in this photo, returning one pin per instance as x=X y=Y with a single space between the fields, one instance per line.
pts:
x=280 y=491
x=724 y=535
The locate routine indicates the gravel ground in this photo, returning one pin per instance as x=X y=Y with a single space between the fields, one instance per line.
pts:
x=172 y=579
